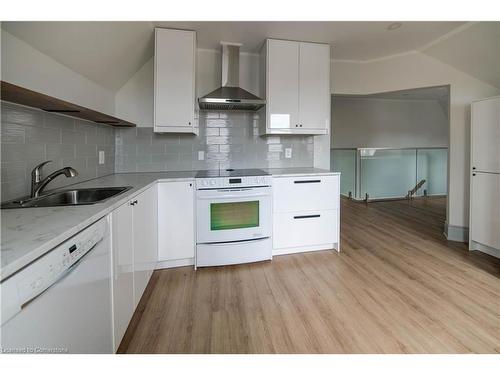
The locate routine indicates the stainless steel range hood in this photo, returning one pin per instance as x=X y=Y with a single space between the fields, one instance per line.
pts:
x=230 y=96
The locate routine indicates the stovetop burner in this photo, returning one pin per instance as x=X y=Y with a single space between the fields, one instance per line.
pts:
x=230 y=173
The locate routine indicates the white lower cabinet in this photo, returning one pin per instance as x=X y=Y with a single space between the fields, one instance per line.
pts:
x=176 y=238
x=134 y=236
x=306 y=213
x=145 y=239
x=311 y=228
x=123 y=270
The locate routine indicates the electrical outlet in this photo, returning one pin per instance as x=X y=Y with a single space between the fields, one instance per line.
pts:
x=101 y=157
x=288 y=153
x=201 y=155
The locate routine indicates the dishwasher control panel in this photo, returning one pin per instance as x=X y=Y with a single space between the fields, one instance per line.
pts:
x=27 y=284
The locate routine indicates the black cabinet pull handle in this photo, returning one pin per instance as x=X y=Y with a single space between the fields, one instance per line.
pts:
x=307 y=181
x=306 y=216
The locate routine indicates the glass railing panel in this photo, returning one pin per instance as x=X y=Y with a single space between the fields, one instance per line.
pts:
x=432 y=167
x=344 y=161
x=387 y=173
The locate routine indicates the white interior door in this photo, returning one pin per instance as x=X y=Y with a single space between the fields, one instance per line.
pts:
x=485 y=210
x=314 y=84
x=283 y=84
x=485 y=135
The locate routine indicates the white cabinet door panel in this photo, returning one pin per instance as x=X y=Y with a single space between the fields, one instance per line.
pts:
x=305 y=193
x=175 y=220
x=145 y=239
x=485 y=135
x=311 y=228
x=282 y=84
x=123 y=269
x=174 y=100
x=314 y=86
x=485 y=210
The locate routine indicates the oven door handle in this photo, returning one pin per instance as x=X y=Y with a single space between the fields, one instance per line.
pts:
x=233 y=196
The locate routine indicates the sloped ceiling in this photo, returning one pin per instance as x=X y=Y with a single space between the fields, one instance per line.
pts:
x=109 y=53
x=474 y=50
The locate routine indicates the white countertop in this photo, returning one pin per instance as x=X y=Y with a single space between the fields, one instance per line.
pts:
x=28 y=233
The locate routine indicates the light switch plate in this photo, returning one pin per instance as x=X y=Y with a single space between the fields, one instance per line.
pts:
x=288 y=153
x=101 y=157
x=201 y=155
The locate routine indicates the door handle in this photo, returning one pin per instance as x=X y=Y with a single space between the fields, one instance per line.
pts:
x=307 y=181
x=306 y=216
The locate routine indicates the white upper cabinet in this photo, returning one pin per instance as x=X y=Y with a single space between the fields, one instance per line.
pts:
x=296 y=77
x=174 y=81
x=283 y=84
x=314 y=86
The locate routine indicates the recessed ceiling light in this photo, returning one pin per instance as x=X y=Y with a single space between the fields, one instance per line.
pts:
x=394 y=26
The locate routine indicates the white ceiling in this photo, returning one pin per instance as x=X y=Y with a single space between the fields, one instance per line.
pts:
x=109 y=53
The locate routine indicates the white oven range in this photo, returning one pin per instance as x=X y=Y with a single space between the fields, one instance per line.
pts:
x=233 y=217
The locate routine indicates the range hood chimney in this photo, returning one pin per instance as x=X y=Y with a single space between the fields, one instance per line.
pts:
x=230 y=96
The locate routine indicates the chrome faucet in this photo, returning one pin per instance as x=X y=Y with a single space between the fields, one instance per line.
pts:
x=37 y=184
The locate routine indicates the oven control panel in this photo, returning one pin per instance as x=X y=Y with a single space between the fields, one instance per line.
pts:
x=229 y=182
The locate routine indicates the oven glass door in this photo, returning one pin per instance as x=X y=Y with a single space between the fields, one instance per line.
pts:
x=233 y=215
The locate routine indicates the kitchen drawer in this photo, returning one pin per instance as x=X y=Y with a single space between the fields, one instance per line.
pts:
x=296 y=229
x=305 y=193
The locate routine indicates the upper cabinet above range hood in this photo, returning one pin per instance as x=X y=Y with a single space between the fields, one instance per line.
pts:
x=230 y=96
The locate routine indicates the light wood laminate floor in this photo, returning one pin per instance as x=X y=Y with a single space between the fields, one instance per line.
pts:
x=397 y=287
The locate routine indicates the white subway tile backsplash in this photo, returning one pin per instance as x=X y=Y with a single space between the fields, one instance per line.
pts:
x=229 y=140
x=31 y=136
x=12 y=133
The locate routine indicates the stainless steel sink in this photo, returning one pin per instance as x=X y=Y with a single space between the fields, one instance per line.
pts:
x=70 y=197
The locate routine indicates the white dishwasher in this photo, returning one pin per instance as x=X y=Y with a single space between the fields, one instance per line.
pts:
x=61 y=303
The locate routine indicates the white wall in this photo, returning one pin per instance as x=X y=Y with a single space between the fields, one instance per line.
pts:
x=134 y=101
x=25 y=66
x=398 y=123
x=414 y=70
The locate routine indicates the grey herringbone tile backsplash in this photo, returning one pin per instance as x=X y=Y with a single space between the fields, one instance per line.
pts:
x=229 y=140
x=30 y=136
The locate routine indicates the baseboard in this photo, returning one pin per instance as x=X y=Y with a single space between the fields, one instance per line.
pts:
x=304 y=249
x=473 y=245
x=456 y=233
x=175 y=263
